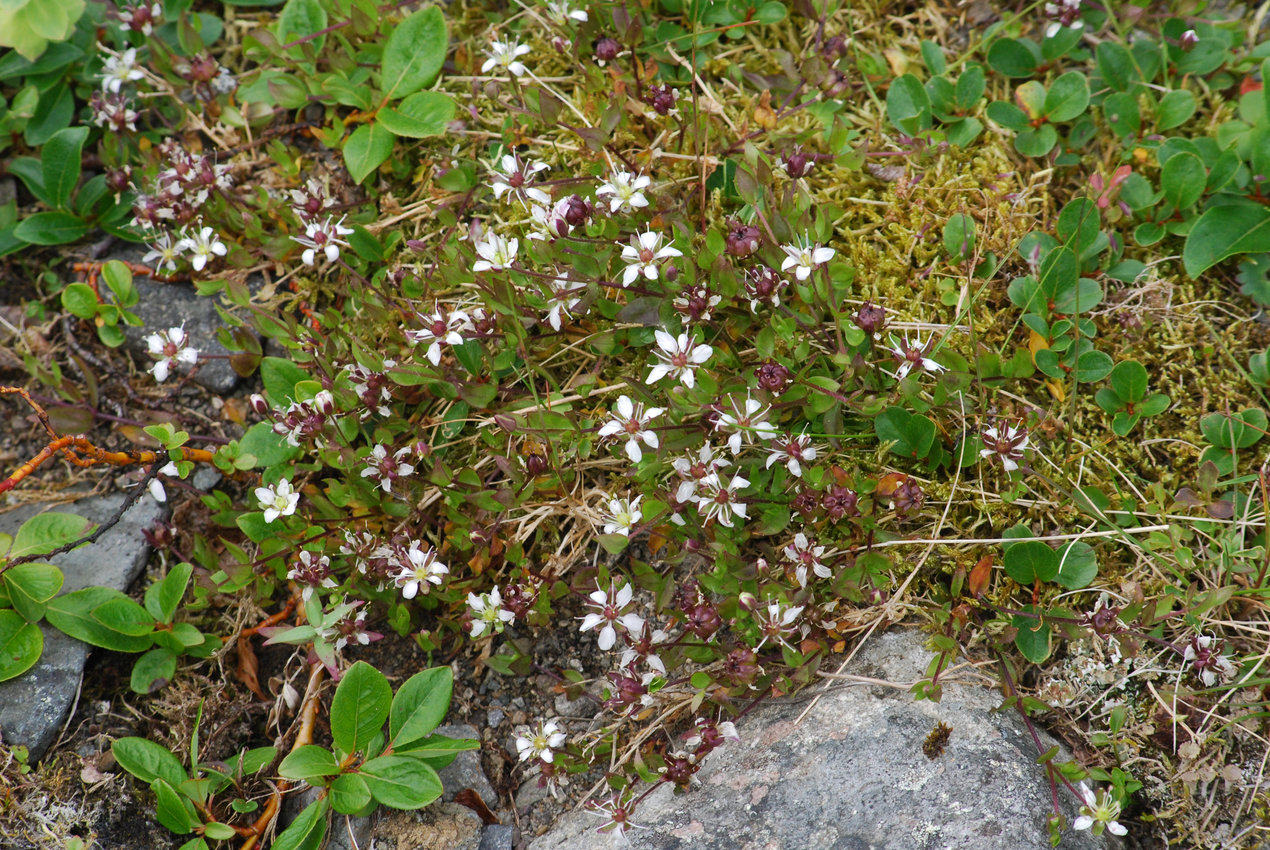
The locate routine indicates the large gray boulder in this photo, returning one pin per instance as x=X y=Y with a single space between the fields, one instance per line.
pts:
x=853 y=775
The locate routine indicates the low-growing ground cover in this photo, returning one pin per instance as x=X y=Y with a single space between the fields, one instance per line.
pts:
x=719 y=335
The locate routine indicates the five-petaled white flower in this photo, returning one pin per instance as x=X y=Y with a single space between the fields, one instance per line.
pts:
x=488 y=614
x=607 y=609
x=119 y=70
x=171 y=347
x=440 y=328
x=911 y=354
x=1099 y=811
x=806 y=556
x=203 y=245
x=515 y=178
x=565 y=295
x=505 y=55
x=777 y=622
x=496 y=252
x=156 y=486
x=560 y=11
x=1203 y=654
x=626 y=189
x=632 y=420
x=1006 y=443
x=678 y=357
x=325 y=237
x=793 y=452
x=424 y=568
x=163 y=253
x=279 y=500
x=694 y=471
x=803 y=257
x=540 y=744
x=643 y=254
x=716 y=501
x=386 y=468
x=623 y=514
x=746 y=423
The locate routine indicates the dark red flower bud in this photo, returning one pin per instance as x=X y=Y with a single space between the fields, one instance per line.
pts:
x=606 y=49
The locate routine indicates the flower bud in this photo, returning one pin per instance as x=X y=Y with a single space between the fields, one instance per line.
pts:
x=870 y=318
x=742 y=240
x=1188 y=41
x=259 y=405
x=606 y=49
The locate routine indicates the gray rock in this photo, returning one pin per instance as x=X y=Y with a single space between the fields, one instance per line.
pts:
x=494 y=716
x=465 y=771
x=853 y=775
x=34 y=705
x=497 y=836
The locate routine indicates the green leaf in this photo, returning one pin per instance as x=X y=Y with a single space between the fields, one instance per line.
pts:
x=360 y=707
x=1078 y=565
x=125 y=616
x=1093 y=366
x=414 y=54
x=1036 y=142
x=437 y=750
x=1029 y=561
x=401 y=782
x=171 y=809
x=1011 y=58
x=959 y=236
x=1223 y=232
x=420 y=705
x=163 y=597
x=1033 y=638
x=280 y=377
x=422 y=114
x=1007 y=115
x=1175 y=109
x=908 y=105
x=152 y=671
x=268 y=448
x=306 y=832
x=309 y=763
x=61 y=159
x=118 y=278
x=300 y=18
x=30 y=587
x=1116 y=65
x=148 y=761
x=1068 y=97
x=1129 y=380
x=20 y=645
x=1239 y=431
x=969 y=89
x=366 y=149
x=219 y=831
x=75 y=614
x=1183 y=180
x=349 y=794
x=50 y=530
x=933 y=56
x=50 y=228
x=911 y=434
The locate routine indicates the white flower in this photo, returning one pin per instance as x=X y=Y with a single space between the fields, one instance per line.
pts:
x=424 y=568
x=166 y=251
x=623 y=515
x=488 y=614
x=540 y=744
x=120 y=70
x=1099 y=812
x=643 y=254
x=678 y=357
x=794 y=452
x=805 y=256
x=440 y=328
x=386 y=469
x=560 y=11
x=515 y=178
x=716 y=501
x=505 y=55
x=313 y=572
x=277 y=501
x=324 y=237
x=632 y=420
x=912 y=354
x=626 y=190
x=607 y=609
x=1203 y=654
x=203 y=245
x=496 y=253
x=806 y=556
x=565 y=295
x=171 y=347
x=694 y=471
x=747 y=421
x=156 y=486
x=1006 y=443
x=643 y=649
x=777 y=622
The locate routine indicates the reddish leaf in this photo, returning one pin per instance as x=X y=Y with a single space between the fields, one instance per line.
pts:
x=980 y=575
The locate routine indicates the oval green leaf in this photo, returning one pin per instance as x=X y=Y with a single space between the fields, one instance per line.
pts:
x=414 y=53
x=1223 y=232
x=20 y=645
x=422 y=114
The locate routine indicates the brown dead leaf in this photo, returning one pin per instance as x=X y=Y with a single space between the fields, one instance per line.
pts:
x=248 y=669
x=897 y=60
x=468 y=797
x=979 y=576
x=764 y=116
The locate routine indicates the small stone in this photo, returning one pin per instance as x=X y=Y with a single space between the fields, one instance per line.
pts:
x=494 y=716
x=465 y=771
x=497 y=836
